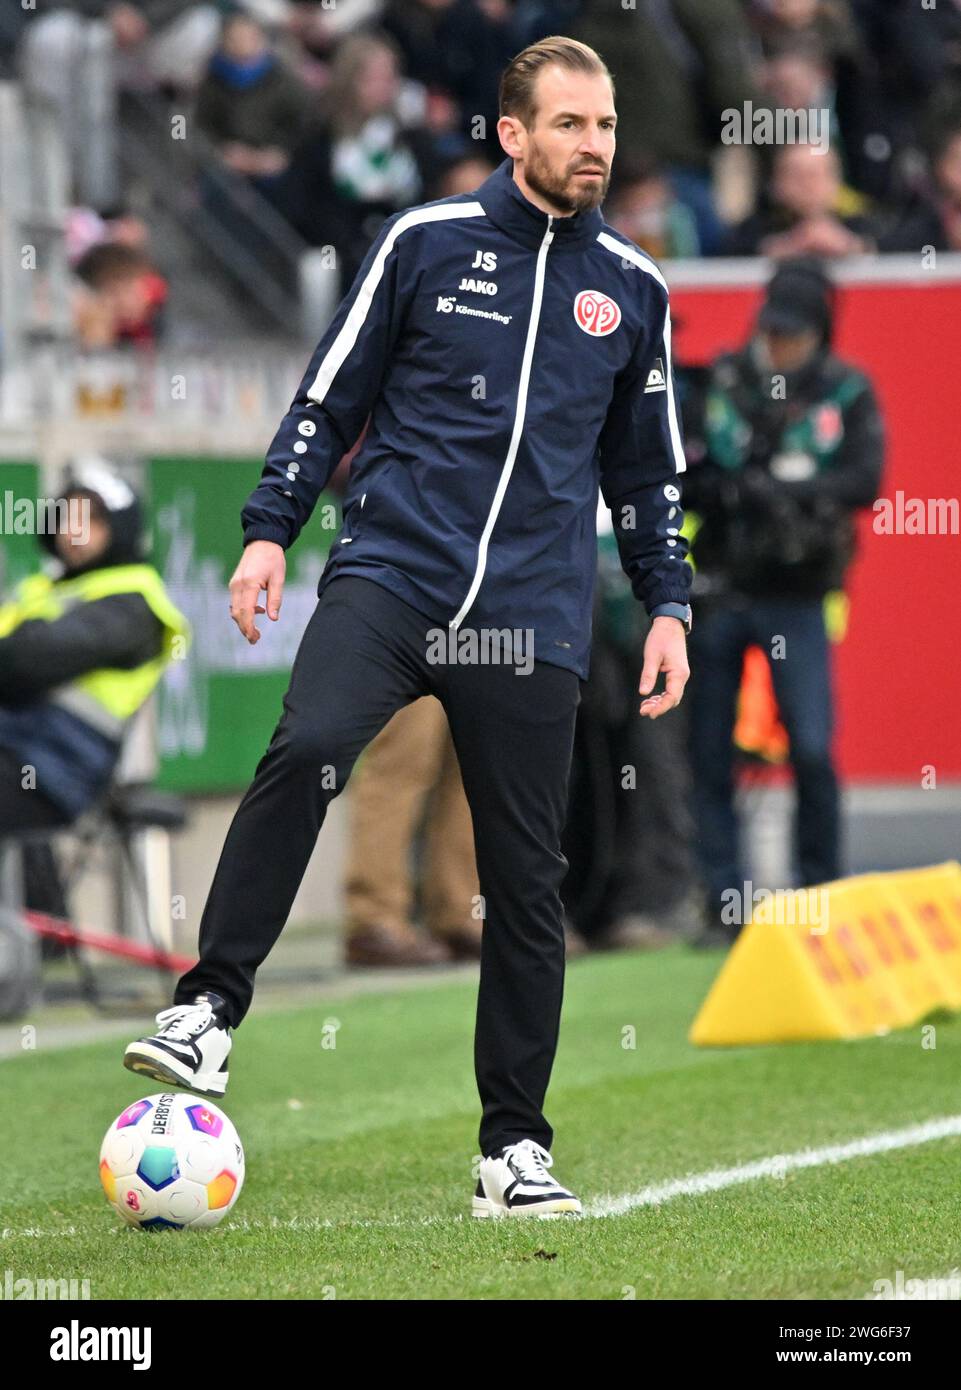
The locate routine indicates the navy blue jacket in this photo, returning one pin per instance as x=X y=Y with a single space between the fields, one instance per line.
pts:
x=509 y=361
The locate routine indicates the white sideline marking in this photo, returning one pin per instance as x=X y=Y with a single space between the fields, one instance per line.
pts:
x=697 y=1184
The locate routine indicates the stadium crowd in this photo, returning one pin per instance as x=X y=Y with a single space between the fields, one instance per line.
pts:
x=339 y=114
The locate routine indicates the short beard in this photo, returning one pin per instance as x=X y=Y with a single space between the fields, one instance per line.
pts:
x=556 y=190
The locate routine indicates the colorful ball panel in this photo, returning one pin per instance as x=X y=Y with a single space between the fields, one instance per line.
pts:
x=171 y=1161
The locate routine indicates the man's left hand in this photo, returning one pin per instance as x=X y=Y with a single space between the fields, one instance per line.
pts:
x=665 y=650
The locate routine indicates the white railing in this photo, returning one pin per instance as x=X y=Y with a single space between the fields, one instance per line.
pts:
x=55 y=399
x=147 y=401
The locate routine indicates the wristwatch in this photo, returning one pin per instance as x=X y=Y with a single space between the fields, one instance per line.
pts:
x=681 y=611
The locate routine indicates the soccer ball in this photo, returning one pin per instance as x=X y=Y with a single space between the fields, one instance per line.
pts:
x=172 y=1160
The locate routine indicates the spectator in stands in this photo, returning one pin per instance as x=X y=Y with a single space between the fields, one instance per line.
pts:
x=934 y=219
x=162 y=43
x=155 y=43
x=249 y=105
x=79 y=57
x=319 y=28
x=808 y=211
x=906 y=53
x=361 y=164
x=457 y=50
x=462 y=176
x=798 y=78
x=928 y=49
x=84 y=228
x=119 y=299
x=533 y=20
x=829 y=24
x=685 y=62
x=13 y=21
x=643 y=206
x=825 y=34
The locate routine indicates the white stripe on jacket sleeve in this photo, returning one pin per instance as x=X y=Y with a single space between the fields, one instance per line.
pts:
x=637 y=257
x=342 y=346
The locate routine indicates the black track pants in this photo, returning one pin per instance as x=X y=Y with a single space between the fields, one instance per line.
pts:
x=365 y=654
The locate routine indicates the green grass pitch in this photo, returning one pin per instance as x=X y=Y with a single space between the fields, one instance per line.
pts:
x=359 y=1157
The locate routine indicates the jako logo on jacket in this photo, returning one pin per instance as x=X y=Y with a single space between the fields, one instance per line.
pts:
x=505 y=358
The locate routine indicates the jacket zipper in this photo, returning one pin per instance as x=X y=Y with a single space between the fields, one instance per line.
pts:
x=519 y=414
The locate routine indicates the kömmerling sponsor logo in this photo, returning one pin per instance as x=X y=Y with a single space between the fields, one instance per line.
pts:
x=486 y=646
x=764 y=125
x=76 y=1343
x=16 y=1289
x=35 y=516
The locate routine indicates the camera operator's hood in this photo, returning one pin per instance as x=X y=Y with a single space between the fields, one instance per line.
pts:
x=90 y=475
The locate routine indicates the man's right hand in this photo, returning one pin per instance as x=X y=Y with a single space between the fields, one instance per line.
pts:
x=263 y=565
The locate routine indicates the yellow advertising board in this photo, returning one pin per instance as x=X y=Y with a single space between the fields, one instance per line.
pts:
x=848 y=959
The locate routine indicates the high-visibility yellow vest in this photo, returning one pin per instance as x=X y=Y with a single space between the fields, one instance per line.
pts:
x=108 y=697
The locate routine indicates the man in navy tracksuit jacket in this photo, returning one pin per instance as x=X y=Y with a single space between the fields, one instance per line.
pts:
x=511 y=352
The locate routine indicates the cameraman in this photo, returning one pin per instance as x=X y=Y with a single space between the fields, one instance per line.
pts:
x=792 y=447
x=81 y=650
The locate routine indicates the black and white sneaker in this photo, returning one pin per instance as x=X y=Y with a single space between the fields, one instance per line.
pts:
x=189 y=1049
x=515 y=1182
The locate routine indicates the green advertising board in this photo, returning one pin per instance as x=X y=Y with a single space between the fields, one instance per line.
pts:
x=217 y=708
x=20 y=554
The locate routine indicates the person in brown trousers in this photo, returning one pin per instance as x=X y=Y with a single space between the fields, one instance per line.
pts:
x=409 y=777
